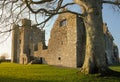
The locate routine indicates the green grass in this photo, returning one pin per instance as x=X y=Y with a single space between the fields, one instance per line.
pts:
x=45 y=73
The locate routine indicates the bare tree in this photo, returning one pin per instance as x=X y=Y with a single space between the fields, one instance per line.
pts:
x=95 y=61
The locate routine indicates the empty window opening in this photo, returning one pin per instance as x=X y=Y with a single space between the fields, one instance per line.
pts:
x=35 y=47
x=19 y=41
x=59 y=58
x=63 y=22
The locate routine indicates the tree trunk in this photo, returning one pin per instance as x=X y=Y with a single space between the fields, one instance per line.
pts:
x=95 y=47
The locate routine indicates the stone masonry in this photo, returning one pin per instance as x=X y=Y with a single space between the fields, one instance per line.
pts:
x=66 y=46
x=25 y=41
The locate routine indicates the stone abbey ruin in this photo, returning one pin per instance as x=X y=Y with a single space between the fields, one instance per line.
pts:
x=66 y=46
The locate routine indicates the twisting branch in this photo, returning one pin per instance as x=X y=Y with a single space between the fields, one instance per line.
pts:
x=12 y=11
x=112 y=2
x=115 y=3
x=39 y=2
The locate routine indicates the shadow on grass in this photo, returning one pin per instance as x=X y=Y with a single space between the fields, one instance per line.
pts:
x=9 y=79
x=115 y=65
x=110 y=73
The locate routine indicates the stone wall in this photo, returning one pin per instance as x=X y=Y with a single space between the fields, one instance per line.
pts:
x=67 y=43
x=25 y=41
x=115 y=54
x=63 y=48
x=15 y=44
x=30 y=37
x=111 y=49
x=60 y=38
x=66 y=46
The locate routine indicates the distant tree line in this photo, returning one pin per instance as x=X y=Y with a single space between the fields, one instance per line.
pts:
x=3 y=58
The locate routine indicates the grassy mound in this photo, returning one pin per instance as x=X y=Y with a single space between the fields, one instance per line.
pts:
x=45 y=73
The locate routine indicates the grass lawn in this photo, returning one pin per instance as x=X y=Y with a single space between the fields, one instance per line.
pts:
x=45 y=73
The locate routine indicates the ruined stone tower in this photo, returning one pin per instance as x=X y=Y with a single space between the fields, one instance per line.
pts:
x=111 y=51
x=15 y=44
x=26 y=41
x=66 y=46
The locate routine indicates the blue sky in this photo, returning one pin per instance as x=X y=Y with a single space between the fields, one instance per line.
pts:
x=111 y=17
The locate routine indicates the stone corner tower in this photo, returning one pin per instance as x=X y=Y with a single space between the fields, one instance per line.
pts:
x=15 y=44
x=25 y=41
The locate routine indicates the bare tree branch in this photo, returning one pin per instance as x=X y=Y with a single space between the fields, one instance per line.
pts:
x=39 y=2
x=12 y=11
x=112 y=2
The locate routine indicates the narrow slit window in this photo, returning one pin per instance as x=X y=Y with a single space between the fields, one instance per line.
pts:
x=19 y=41
x=63 y=22
x=59 y=58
